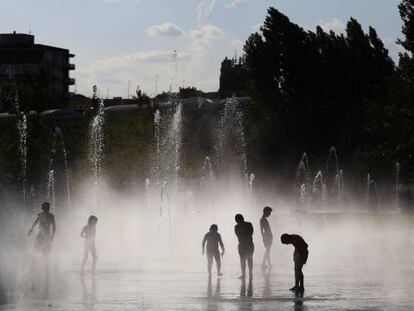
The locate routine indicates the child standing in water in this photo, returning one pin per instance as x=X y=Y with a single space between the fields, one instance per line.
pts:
x=300 y=257
x=267 y=237
x=213 y=239
x=47 y=229
x=88 y=232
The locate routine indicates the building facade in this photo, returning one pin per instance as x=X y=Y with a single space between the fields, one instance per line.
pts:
x=232 y=78
x=21 y=58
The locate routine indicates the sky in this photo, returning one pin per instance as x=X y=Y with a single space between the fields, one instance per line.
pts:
x=124 y=44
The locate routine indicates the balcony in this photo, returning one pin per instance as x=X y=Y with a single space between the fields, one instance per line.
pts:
x=71 y=66
x=71 y=81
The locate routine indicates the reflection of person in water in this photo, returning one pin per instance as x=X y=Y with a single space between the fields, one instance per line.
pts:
x=213 y=239
x=216 y=294
x=246 y=291
x=267 y=236
x=244 y=232
x=47 y=229
x=89 y=232
x=300 y=257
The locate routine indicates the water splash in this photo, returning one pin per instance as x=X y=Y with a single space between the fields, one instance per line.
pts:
x=165 y=200
x=334 y=176
x=230 y=132
x=176 y=134
x=319 y=190
x=397 y=186
x=96 y=151
x=208 y=184
x=148 y=192
x=303 y=181
x=157 y=129
x=61 y=142
x=22 y=129
x=51 y=189
x=33 y=196
x=372 y=199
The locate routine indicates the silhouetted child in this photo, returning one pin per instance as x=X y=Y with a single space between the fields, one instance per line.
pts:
x=47 y=229
x=213 y=239
x=244 y=232
x=88 y=232
x=300 y=257
x=266 y=235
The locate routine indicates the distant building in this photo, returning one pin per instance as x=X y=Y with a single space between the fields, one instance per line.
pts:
x=80 y=102
x=21 y=57
x=232 y=78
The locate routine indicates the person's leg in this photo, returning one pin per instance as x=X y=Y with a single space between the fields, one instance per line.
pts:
x=250 y=264
x=218 y=262
x=267 y=255
x=85 y=258
x=297 y=274
x=94 y=258
x=209 y=262
x=243 y=265
x=264 y=259
x=301 y=283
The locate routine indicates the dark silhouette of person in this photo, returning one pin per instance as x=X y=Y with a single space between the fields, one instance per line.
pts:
x=47 y=229
x=267 y=236
x=244 y=232
x=213 y=240
x=89 y=232
x=300 y=257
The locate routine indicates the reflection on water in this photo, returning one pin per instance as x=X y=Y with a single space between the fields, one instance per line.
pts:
x=248 y=290
x=186 y=288
x=213 y=298
x=88 y=291
x=299 y=300
x=216 y=294
x=267 y=288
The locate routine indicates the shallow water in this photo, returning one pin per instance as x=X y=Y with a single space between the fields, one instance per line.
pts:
x=184 y=285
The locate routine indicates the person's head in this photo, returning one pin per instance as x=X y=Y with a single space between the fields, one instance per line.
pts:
x=92 y=220
x=46 y=207
x=267 y=211
x=239 y=218
x=213 y=228
x=285 y=238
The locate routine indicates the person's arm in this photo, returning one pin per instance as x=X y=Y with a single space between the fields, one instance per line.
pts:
x=222 y=246
x=83 y=233
x=53 y=226
x=236 y=230
x=203 y=244
x=262 y=230
x=34 y=225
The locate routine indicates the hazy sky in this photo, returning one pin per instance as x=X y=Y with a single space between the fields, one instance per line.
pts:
x=116 y=41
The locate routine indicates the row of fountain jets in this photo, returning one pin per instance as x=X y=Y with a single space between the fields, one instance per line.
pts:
x=325 y=189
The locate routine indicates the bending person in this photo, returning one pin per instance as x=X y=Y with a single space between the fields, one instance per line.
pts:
x=300 y=257
x=244 y=232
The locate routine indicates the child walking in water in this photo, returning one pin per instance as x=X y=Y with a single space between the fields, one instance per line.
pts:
x=88 y=232
x=300 y=257
x=213 y=239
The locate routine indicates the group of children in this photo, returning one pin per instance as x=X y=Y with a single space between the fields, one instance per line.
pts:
x=47 y=228
x=212 y=240
x=244 y=232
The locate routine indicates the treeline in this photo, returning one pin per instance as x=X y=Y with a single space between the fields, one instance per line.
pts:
x=312 y=90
